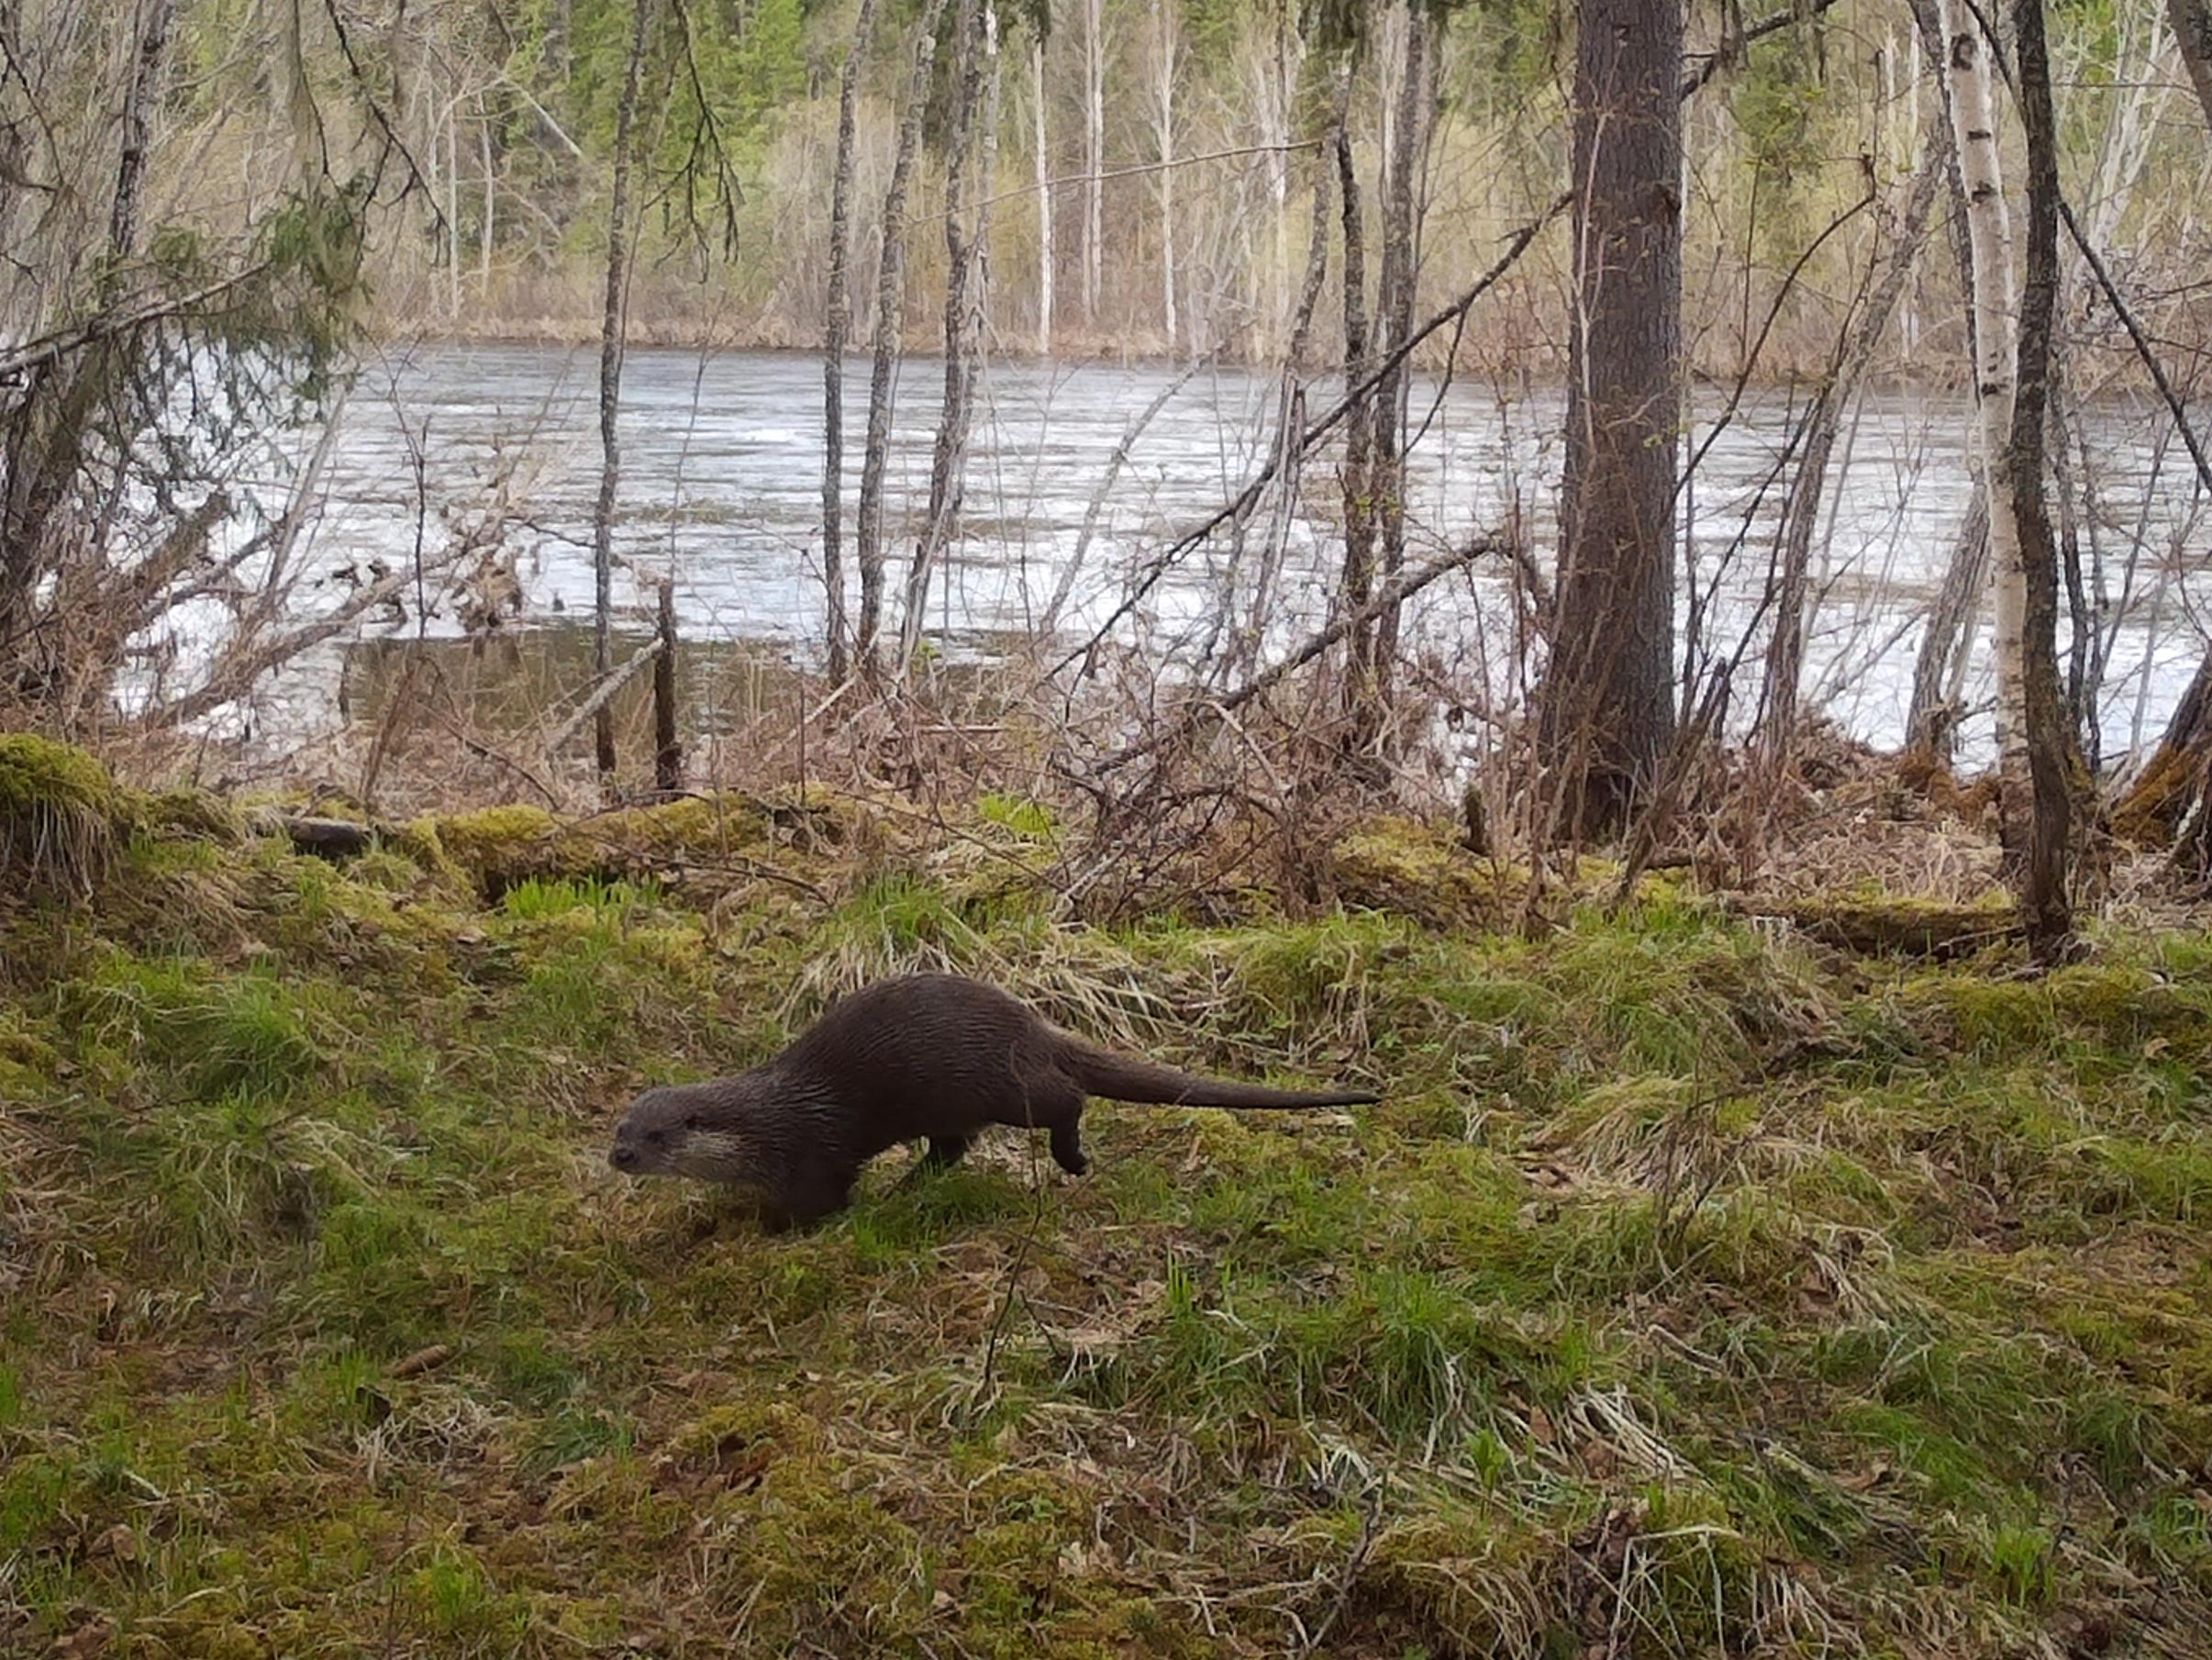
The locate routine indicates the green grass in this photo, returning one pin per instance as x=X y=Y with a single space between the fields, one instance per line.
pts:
x=1689 y=1291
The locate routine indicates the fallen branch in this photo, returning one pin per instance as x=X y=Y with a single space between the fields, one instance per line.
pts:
x=606 y=690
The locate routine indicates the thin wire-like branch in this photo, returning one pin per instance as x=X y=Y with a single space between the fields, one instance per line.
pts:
x=1244 y=499
x=1137 y=171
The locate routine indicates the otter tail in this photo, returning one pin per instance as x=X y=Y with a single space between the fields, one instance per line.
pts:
x=1123 y=1078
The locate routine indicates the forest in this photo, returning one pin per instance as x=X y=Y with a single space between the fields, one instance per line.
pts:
x=1617 y=588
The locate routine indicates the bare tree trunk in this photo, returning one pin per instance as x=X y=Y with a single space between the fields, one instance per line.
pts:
x=1938 y=672
x=1278 y=168
x=1393 y=323
x=1605 y=707
x=2180 y=770
x=1044 y=205
x=612 y=322
x=1163 y=129
x=1974 y=118
x=137 y=118
x=1359 y=426
x=1290 y=415
x=1801 y=512
x=2053 y=756
x=484 y=239
x=1094 y=156
x=890 y=304
x=837 y=325
x=975 y=27
x=668 y=747
x=453 y=207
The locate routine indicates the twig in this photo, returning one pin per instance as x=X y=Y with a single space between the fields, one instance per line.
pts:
x=1393 y=593
x=1731 y=50
x=1348 y=1576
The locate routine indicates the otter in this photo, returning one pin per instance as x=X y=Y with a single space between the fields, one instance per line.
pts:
x=932 y=1057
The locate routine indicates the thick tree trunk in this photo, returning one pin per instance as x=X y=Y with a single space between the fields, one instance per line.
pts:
x=837 y=326
x=138 y=121
x=47 y=433
x=1044 y=204
x=976 y=28
x=890 y=304
x=1973 y=109
x=2154 y=806
x=2053 y=757
x=2163 y=793
x=1605 y=709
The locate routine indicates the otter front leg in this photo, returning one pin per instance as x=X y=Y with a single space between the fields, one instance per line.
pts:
x=806 y=1201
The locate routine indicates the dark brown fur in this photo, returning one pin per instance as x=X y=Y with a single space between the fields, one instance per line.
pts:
x=927 y=1056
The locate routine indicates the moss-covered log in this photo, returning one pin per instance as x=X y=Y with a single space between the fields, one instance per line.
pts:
x=1889 y=925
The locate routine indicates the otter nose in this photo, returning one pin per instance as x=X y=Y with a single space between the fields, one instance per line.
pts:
x=623 y=1157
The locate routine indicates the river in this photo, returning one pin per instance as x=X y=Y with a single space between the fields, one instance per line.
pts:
x=721 y=491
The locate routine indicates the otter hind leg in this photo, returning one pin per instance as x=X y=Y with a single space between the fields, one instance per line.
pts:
x=946 y=1151
x=1067 y=1147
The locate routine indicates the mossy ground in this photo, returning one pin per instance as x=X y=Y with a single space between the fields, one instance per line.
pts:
x=1695 y=1290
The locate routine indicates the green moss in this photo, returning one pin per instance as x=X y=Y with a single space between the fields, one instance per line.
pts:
x=496 y=846
x=1417 y=869
x=58 y=813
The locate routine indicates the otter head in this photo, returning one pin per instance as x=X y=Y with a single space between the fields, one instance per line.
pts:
x=684 y=1129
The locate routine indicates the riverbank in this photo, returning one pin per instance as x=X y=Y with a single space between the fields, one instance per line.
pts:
x=1697 y=1285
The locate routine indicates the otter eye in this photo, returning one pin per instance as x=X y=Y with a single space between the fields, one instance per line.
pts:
x=692 y=1122
x=655 y=1137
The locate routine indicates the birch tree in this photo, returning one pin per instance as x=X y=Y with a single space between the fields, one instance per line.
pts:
x=1165 y=47
x=1094 y=156
x=1971 y=101
x=1042 y=151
